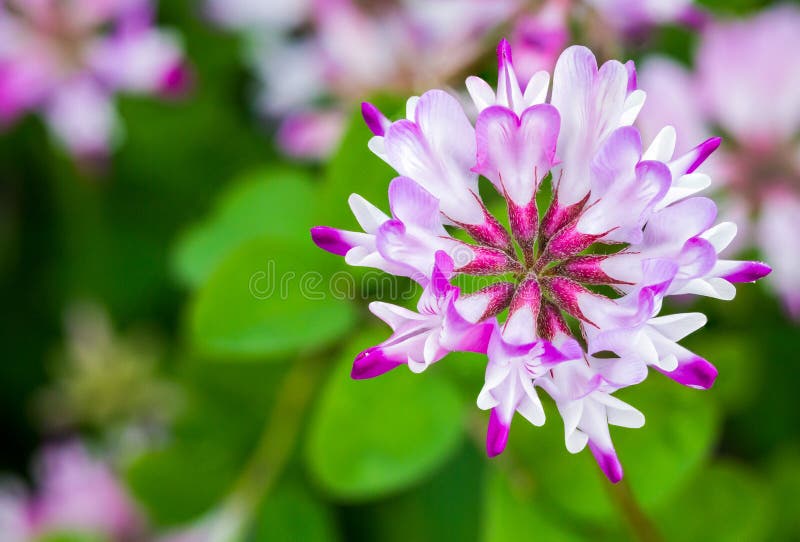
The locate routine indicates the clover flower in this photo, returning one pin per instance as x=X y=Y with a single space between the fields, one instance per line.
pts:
x=739 y=64
x=580 y=276
x=66 y=60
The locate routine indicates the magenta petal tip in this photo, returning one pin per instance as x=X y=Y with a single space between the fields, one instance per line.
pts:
x=496 y=435
x=375 y=120
x=749 y=272
x=696 y=373
x=633 y=84
x=372 y=362
x=330 y=239
x=503 y=52
x=704 y=150
x=608 y=462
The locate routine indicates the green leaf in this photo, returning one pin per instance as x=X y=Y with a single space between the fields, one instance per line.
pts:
x=784 y=478
x=737 y=385
x=682 y=425
x=511 y=508
x=372 y=437
x=724 y=503
x=444 y=507
x=658 y=459
x=557 y=475
x=210 y=443
x=180 y=482
x=291 y=513
x=728 y=7
x=270 y=202
x=268 y=297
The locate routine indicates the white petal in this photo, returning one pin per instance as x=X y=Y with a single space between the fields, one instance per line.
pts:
x=368 y=216
x=683 y=187
x=667 y=363
x=644 y=347
x=571 y=413
x=530 y=407
x=715 y=287
x=417 y=366
x=721 y=235
x=536 y=91
x=480 y=92
x=486 y=400
x=411 y=107
x=621 y=413
x=633 y=105
x=663 y=145
x=393 y=315
x=677 y=326
x=576 y=441
x=376 y=145
x=432 y=348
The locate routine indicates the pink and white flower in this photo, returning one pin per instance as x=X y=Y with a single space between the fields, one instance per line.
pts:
x=277 y=14
x=743 y=84
x=76 y=493
x=637 y=15
x=67 y=60
x=607 y=189
x=538 y=37
x=347 y=50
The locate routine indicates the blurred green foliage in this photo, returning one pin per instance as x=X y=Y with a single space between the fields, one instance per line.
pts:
x=196 y=205
x=399 y=430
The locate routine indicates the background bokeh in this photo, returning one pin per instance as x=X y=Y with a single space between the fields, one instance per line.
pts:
x=144 y=315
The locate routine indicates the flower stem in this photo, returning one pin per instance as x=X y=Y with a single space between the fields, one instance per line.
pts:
x=634 y=517
x=277 y=441
x=621 y=495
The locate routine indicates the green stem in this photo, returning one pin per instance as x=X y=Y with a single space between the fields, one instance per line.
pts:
x=635 y=518
x=275 y=446
x=621 y=495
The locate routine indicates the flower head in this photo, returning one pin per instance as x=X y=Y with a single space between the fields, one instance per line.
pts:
x=66 y=60
x=589 y=271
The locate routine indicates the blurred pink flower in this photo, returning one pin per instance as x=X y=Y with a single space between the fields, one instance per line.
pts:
x=275 y=13
x=636 y=15
x=744 y=83
x=66 y=60
x=346 y=50
x=539 y=37
x=76 y=492
x=311 y=134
